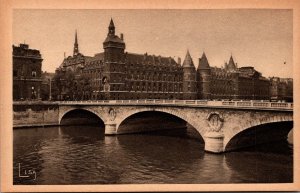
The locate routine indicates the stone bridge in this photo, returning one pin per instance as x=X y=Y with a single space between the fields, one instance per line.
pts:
x=223 y=125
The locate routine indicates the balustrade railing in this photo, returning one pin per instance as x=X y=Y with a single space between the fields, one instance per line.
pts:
x=260 y=104
x=190 y=102
x=279 y=104
x=230 y=104
x=202 y=102
x=244 y=104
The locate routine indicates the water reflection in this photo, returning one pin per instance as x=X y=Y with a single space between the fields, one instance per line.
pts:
x=82 y=155
x=165 y=156
x=265 y=163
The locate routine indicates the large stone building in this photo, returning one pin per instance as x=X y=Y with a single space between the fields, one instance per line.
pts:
x=118 y=74
x=281 y=88
x=231 y=82
x=27 y=72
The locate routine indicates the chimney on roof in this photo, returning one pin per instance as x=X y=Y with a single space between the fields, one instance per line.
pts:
x=122 y=36
x=179 y=60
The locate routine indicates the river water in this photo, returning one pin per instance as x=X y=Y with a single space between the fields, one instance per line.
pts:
x=83 y=155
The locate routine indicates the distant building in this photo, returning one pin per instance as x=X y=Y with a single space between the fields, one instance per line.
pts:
x=116 y=74
x=281 y=88
x=231 y=82
x=27 y=64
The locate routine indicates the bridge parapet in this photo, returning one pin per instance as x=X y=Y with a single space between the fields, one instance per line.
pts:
x=194 y=103
x=218 y=122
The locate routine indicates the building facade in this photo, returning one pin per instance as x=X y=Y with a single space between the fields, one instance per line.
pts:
x=118 y=74
x=281 y=89
x=231 y=82
x=27 y=64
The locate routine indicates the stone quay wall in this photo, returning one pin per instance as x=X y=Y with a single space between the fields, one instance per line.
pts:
x=34 y=114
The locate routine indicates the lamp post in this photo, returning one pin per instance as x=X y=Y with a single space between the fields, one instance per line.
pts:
x=50 y=94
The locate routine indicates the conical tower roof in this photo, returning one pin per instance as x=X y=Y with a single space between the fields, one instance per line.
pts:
x=231 y=64
x=188 y=61
x=203 y=62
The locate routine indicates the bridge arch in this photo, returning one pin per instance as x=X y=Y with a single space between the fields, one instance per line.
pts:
x=259 y=131
x=183 y=116
x=88 y=113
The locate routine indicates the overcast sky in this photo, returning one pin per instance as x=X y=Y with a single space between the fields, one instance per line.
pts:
x=259 y=38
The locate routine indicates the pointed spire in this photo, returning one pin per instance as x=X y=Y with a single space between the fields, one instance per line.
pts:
x=231 y=64
x=111 y=27
x=76 y=49
x=188 y=61
x=203 y=62
x=111 y=24
x=203 y=57
x=76 y=41
x=231 y=60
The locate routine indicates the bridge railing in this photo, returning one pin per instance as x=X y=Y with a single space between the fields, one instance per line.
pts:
x=279 y=104
x=260 y=104
x=244 y=104
x=213 y=103
x=228 y=103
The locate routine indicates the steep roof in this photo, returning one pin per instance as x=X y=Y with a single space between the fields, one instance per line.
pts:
x=231 y=64
x=149 y=59
x=75 y=60
x=113 y=38
x=203 y=62
x=188 y=61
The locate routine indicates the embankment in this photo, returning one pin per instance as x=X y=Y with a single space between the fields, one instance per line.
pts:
x=34 y=114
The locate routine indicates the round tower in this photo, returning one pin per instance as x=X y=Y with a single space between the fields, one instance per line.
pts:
x=203 y=78
x=189 y=87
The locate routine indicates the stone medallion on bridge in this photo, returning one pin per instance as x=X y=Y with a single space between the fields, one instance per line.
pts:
x=215 y=122
x=112 y=114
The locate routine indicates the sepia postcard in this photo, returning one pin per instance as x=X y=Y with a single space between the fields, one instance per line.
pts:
x=103 y=96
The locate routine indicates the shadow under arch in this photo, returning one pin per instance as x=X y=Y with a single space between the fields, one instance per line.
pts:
x=81 y=117
x=260 y=134
x=163 y=123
